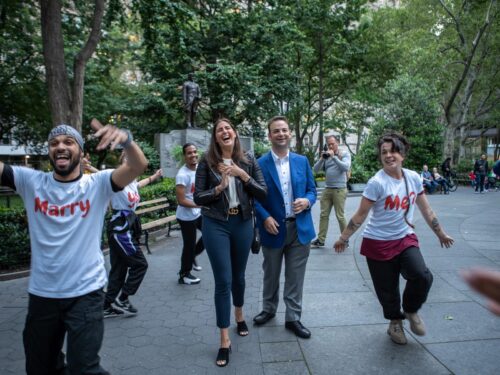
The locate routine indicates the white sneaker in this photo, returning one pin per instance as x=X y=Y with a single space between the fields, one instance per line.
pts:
x=396 y=332
x=196 y=267
x=189 y=279
x=417 y=325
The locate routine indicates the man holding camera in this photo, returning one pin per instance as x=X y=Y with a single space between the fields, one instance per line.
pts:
x=335 y=163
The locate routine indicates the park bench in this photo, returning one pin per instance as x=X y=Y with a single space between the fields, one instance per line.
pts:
x=5 y=194
x=159 y=205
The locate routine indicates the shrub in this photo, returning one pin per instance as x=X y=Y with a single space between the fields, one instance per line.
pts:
x=15 y=250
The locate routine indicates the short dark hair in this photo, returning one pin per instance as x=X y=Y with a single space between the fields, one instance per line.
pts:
x=186 y=145
x=399 y=144
x=332 y=136
x=274 y=119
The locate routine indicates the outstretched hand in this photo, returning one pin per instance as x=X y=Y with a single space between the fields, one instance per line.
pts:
x=445 y=240
x=486 y=282
x=110 y=135
x=340 y=246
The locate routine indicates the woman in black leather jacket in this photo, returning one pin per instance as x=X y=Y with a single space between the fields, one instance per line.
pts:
x=227 y=181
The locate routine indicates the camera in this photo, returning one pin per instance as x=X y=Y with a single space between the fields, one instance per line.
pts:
x=325 y=154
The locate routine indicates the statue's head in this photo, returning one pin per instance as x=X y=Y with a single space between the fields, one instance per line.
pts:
x=190 y=76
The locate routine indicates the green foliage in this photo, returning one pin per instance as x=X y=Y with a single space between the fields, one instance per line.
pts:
x=152 y=156
x=359 y=175
x=409 y=109
x=260 y=148
x=14 y=240
x=162 y=189
x=464 y=166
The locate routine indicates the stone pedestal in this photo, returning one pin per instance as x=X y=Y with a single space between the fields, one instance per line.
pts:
x=165 y=143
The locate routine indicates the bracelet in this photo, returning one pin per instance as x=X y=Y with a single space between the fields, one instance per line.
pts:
x=344 y=241
x=129 y=139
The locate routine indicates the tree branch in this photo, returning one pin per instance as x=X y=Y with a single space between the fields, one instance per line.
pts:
x=80 y=62
x=467 y=64
x=455 y=21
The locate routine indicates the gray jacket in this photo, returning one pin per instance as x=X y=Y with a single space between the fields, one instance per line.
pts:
x=335 y=169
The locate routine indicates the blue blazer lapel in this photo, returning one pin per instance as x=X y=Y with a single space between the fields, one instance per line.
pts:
x=293 y=173
x=274 y=173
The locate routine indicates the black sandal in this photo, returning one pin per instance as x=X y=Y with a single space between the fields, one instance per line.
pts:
x=242 y=328
x=223 y=355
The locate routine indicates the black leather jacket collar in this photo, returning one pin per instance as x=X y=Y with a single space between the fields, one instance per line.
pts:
x=217 y=206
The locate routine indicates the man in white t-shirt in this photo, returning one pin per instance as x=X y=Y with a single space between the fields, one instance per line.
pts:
x=65 y=211
x=188 y=215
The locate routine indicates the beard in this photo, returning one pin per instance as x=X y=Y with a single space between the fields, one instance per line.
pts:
x=66 y=171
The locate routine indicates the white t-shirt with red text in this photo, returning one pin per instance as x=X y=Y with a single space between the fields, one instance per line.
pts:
x=65 y=224
x=186 y=177
x=127 y=199
x=391 y=199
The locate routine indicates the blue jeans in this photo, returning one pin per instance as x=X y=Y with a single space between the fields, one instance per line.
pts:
x=228 y=245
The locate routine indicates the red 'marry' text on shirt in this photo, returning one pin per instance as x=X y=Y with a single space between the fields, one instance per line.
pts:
x=398 y=203
x=68 y=209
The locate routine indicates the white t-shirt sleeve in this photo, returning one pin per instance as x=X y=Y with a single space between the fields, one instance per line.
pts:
x=182 y=179
x=373 y=190
x=23 y=175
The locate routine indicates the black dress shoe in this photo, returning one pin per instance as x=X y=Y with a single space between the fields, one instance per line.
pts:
x=297 y=328
x=263 y=317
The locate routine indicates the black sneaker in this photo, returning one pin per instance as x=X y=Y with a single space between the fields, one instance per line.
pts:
x=189 y=279
x=125 y=306
x=317 y=243
x=111 y=312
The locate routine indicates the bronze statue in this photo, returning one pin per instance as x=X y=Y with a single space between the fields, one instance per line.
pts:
x=191 y=95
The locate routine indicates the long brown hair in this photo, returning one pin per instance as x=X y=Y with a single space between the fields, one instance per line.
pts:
x=214 y=153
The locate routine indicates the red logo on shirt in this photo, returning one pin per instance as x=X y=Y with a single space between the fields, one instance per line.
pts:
x=68 y=209
x=192 y=188
x=133 y=198
x=397 y=203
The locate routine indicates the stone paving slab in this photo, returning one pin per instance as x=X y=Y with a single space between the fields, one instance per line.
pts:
x=175 y=329
x=484 y=353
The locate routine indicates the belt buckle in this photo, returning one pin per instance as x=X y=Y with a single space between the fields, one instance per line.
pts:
x=233 y=211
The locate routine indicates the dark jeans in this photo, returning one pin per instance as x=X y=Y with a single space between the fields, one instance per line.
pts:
x=48 y=321
x=134 y=264
x=480 y=181
x=228 y=245
x=444 y=185
x=385 y=275
x=191 y=248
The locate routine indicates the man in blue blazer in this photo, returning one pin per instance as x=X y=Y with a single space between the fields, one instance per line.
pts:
x=285 y=225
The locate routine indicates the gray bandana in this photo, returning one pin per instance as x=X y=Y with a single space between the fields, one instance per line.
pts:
x=66 y=130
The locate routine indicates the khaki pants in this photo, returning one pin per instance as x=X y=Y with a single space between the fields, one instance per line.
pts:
x=331 y=198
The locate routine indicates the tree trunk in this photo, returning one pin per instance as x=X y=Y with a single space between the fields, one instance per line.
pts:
x=65 y=107
x=55 y=69
x=463 y=139
x=449 y=142
x=320 y=92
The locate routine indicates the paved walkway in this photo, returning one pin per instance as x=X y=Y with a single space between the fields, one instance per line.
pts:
x=175 y=332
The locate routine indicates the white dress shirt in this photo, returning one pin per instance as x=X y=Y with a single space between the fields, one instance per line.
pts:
x=283 y=169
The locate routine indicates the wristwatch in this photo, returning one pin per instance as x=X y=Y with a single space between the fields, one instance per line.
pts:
x=129 y=139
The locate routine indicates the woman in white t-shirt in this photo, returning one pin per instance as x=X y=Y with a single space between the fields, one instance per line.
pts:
x=389 y=242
